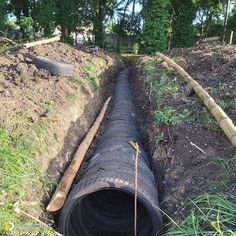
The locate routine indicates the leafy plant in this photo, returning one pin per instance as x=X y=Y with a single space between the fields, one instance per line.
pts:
x=169 y=115
x=26 y=25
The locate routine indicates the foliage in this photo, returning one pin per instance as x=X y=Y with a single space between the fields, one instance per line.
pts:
x=208 y=215
x=169 y=115
x=207 y=12
x=3 y=12
x=93 y=72
x=156 y=19
x=184 y=12
x=26 y=26
x=136 y=48
x=66 y=14
x=46 y=16
x=232 y=24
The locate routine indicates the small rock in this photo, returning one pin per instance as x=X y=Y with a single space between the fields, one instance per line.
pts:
x=182 y=190
x=21 y=57
x=6 y=93
x=27 y=59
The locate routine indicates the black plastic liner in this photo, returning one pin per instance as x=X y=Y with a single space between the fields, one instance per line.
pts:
x=102 y=203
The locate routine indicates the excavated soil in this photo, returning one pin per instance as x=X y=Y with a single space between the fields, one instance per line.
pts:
x=65 y=107
x=181 y=169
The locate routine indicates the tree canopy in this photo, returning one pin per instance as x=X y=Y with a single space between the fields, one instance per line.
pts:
x=158 y=24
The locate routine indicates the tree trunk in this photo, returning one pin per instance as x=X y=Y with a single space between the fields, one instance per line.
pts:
x=98 y=25
x=131 y=23
x=226 y=20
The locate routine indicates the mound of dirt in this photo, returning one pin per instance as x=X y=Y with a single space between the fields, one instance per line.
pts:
x=187 y=154
x=50 y=114
x=214 y=66
x=25 y=88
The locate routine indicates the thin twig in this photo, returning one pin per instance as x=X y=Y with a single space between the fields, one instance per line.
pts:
x=196 y=146
x=136 y=189
x=23 y=213
x=172 y=142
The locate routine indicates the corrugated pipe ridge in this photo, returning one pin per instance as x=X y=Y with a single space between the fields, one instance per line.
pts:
x=102 y=203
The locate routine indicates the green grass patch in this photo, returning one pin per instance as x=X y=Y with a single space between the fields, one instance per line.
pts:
x=208 y=215
x=169 y=115
x=22 y=179
x=49 y=106
x=75 y=94
x=93 y=71
x=229 y=175
x=161 y=85
x=4 y=47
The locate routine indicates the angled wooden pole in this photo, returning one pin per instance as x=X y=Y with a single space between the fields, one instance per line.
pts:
x=221 y=117
x=59 y=197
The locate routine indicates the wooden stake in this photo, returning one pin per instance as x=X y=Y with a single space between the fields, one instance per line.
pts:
x=44 y=41
x=223 y=120
x=231 y=37
x=136 y=188
x=59 y=197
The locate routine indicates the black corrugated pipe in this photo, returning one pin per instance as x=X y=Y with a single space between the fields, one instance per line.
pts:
x=102 y=203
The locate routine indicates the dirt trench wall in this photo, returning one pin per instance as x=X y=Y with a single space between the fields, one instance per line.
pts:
x=74 y=122
x=43 y=118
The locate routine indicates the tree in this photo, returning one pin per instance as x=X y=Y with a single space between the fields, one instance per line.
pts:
x=3 y=13
x=156 y=20
x=20 y=7
x=184 y=12
x=26 y=26
x=67 y=17
x=231 y=24
x=226 y=18
x=207 y=12
x=45 y=16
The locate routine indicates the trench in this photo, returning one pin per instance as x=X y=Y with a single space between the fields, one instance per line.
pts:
x=106 y=207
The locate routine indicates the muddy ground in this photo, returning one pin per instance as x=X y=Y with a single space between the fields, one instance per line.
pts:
x=193 y=156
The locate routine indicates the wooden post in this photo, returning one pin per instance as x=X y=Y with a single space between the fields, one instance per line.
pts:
x=231 y=37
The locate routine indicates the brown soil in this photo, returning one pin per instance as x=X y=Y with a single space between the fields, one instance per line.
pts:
x=181 y=169
x=30 y=96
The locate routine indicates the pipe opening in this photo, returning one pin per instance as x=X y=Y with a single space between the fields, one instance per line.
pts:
x=109 y=212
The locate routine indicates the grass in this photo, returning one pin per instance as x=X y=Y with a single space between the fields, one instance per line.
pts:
x=4 y=47
x=203 y=116
x=161 y=85
x=208 y=214
x=93 y=71
x=160 y=138
x=229 y=176
x=22 y=179
x=169 y=115
x=49 y=106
